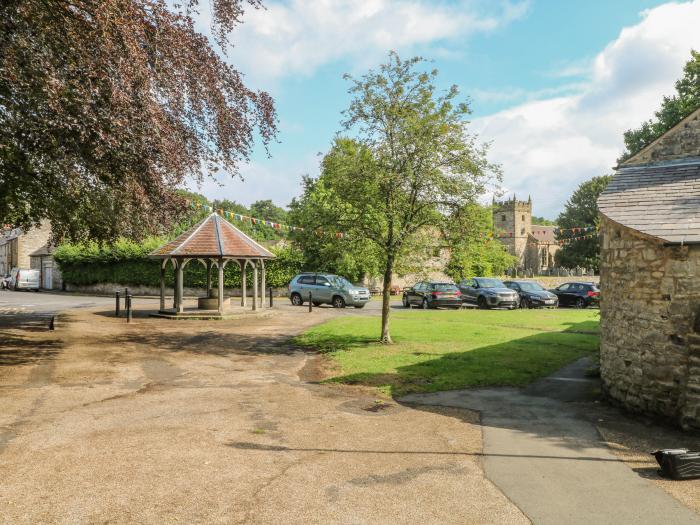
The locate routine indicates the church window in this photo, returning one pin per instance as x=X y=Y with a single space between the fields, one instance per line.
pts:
x=522 y=231
x=503 y=218
x=523 y=219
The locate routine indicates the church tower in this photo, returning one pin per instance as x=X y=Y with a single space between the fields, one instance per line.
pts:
x=512 y=224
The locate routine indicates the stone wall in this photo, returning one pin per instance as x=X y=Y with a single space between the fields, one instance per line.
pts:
x=650 y=313
x=680 y=142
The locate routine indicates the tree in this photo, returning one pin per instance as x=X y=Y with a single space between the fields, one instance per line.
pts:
x=473 y=249
x=106 y=106
x=410 y=165
x=673 y=109
x=541 y=221
x=581 y=211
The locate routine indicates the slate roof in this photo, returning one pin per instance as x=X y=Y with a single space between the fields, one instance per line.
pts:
x=661 y=200
x=213 y=237
x=544 y=233
x=44 y=251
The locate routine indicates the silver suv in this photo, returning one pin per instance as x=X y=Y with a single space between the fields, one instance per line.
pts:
x=326 y=288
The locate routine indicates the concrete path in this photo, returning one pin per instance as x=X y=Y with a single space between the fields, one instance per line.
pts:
x=548 y=458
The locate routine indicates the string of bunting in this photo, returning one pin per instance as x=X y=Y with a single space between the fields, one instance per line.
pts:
x=254 y=220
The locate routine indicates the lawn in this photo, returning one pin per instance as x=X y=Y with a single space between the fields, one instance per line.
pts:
x=444 y=350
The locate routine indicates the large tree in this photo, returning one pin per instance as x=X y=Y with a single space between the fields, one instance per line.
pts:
x=410 y=165
x=581 y=211
x=673 y=109
x=106 y=106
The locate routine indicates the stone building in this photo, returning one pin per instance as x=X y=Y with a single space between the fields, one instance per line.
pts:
x=16 y=245
x=650 y=278
x=49 y=272
x=533 y=245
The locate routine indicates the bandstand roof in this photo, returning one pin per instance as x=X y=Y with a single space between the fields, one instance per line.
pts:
x=214 y=237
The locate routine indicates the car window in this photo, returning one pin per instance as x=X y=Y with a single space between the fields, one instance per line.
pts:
x=443 y=287
x=512 y=286
x=580 y=288
x=489 y=283
x=563 y=288
x=420 y=287
x=593 y=288
x=322 y=281
x=531 y=287
x=306 y=279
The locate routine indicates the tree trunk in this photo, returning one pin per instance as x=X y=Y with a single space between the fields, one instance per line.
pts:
x=386 y=299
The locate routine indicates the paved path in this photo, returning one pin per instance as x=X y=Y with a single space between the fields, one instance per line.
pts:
x=549 y=459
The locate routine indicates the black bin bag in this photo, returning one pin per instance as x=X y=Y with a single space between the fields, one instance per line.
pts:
x=678 y=463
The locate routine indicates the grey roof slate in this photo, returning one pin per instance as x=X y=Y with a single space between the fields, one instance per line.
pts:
x=661 y=200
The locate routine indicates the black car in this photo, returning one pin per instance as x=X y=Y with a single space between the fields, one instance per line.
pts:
x=532 y=295
x=579 y=295
x=432 y=294
x=487 y=292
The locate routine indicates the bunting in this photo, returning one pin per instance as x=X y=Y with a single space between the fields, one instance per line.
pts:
x=256 y=221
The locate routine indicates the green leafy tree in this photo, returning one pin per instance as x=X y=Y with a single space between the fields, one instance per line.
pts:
x=673 y=109
x=107 y=106
x=473 y=250
x=411 y=164
x=541 y=221
x=349 y=256
x=581 y=211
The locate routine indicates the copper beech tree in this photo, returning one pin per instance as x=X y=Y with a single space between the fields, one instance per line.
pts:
x=106 y=106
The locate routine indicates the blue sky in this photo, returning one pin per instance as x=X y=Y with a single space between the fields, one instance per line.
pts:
x=552 y=83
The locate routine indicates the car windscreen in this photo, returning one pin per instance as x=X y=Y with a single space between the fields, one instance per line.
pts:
x=443 y=287
x=594 y=288
x=530 y=287
x=490 y=283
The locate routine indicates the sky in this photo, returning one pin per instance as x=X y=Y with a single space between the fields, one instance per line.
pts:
x=552 y=84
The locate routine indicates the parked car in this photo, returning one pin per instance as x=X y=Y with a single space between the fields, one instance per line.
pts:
x=487 y=292
x=532 y=295
x=24 y=279
x=326 y=288
x=432 y=295
x=579 y=295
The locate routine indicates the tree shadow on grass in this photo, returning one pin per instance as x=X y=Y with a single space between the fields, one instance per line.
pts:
x=514 y=363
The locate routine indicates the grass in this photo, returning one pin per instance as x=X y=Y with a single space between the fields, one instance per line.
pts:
x=445 y=350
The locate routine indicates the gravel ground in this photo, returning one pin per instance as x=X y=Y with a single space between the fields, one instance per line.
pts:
x=219 y=422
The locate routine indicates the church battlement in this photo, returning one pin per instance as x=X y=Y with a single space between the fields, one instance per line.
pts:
x=513 y=205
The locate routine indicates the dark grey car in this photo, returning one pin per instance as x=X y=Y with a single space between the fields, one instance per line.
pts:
x=532 y=295
x=486 y=292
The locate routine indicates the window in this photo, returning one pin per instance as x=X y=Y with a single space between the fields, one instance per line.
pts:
x=563 y=288
x=544 y=256
x=503 y=218
x=322 y=281
x=306 y=279
x=523 y=218
x=522 y=231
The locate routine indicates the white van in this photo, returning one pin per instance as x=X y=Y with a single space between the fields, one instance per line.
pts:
x=24 y=279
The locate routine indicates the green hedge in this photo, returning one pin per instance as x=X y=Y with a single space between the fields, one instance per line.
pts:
x=126 y=263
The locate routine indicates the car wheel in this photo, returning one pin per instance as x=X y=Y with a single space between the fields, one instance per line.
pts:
x=425 y=304
x=359 y=306
x=580 y=303
x=481 y=303
x=405 y=302
x=338 y=302
x=297 y=300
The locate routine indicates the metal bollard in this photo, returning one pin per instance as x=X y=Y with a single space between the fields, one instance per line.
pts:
x=271 y=300
x=311 y=305
x=116 y=310
x=129 y=313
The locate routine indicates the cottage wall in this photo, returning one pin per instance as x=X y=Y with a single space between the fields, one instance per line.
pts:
x=650 y=316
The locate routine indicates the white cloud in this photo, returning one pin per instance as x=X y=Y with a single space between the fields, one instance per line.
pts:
x=547 y=147
x=300 y=36
x=272 y=179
